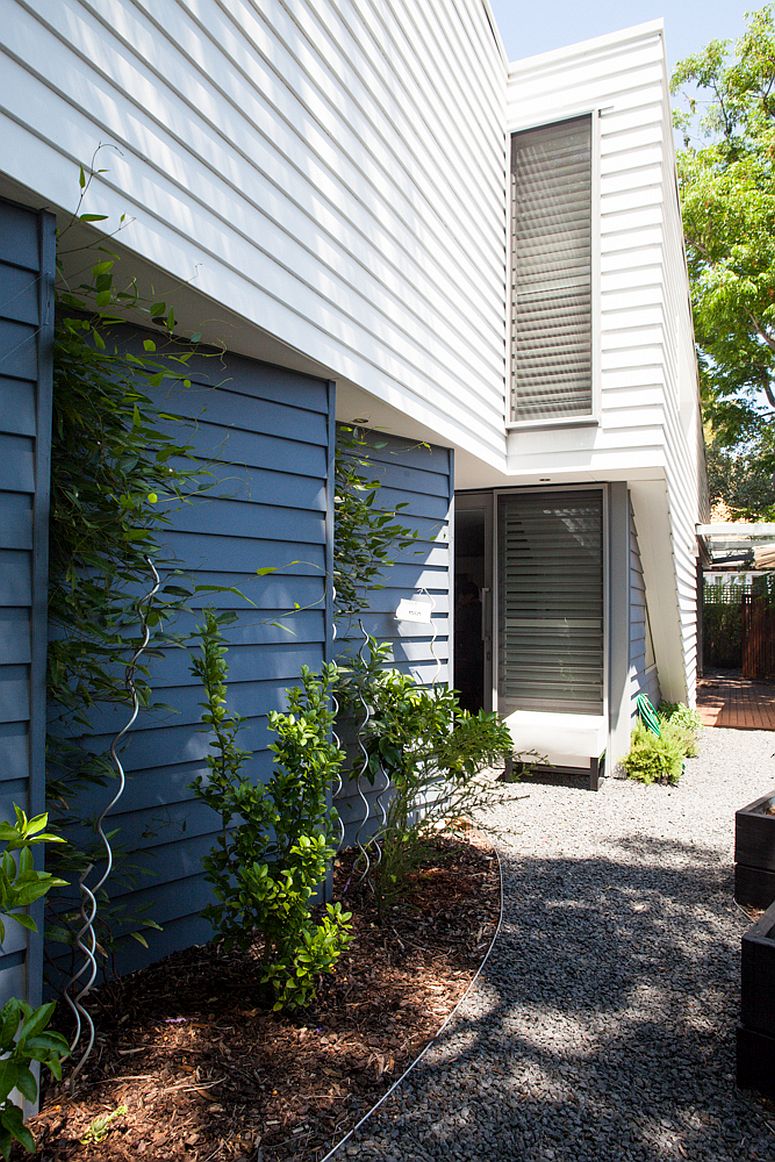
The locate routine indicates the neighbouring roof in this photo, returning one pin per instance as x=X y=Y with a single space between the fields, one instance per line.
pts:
x=737 y=545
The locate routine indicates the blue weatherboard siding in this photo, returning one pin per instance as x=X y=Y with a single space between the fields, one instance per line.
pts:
x=26 y=333
x=421 y=477
x=418 y=476
x=265 y=435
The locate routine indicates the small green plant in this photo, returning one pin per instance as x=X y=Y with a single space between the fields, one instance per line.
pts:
x=21 y=884
x=24 y=1037
x=365 y=535
x=430 y=749
x=24 y=1033
x=682 y=724
x=276 y=843
x=653 y=759
x=98 y=1130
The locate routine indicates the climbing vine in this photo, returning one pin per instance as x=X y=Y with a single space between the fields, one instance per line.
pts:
x=365 y=536
x=119 y=466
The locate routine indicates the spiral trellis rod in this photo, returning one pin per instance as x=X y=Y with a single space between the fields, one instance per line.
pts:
x=338 y=784
x=363 y=860
x=86 y=937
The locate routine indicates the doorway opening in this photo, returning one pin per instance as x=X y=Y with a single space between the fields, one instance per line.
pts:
x=473 y=601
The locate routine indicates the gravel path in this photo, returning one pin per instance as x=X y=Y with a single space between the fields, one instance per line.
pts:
x=603 y=1024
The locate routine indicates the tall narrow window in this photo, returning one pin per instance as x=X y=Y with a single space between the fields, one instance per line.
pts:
x=551 y=271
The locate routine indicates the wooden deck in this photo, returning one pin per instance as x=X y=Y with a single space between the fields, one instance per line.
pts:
x=735 y=702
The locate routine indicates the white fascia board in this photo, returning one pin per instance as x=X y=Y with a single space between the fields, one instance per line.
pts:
x=496 y=32
x=594 y=44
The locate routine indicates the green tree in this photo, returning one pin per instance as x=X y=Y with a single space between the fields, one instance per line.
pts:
x=728 y=199
x=743 y=477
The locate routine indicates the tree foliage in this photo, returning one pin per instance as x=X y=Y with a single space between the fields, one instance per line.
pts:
x=742 y=477
x=728 y=199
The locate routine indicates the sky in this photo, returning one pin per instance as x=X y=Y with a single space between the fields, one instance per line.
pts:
x=528 y=27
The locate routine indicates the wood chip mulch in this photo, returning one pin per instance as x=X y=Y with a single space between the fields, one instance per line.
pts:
x=190 y=1064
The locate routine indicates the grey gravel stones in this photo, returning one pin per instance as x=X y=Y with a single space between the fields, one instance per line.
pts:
x=602 y=1027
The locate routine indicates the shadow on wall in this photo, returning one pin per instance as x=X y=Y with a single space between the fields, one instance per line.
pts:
x=605 y=1024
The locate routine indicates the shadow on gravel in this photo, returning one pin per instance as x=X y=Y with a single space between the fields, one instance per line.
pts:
x=603 y=1027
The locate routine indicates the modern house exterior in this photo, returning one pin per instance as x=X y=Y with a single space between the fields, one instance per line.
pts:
x=383 y=222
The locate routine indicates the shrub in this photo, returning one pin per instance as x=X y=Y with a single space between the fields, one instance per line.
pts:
x=653 y=759
x=277 y=839
x=682 y=724
x=24 y=1033
x=430 y=749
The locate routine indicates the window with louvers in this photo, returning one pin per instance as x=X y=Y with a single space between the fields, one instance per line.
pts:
x=551 y=272
x=550 y=584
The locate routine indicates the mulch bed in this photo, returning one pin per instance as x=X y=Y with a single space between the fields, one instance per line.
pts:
x=206 y=1072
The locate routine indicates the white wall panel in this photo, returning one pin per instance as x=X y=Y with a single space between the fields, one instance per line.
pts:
x=332 y=171
x=648 y=419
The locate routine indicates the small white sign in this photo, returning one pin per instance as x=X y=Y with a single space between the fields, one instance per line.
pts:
x=417 y=611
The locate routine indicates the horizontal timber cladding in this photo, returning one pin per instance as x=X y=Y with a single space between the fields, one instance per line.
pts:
x=265 y=435
x=550 y=601
x=419 y=476
x=27 y=242
x=643 y=352
x=643 y=671
x=332 y=170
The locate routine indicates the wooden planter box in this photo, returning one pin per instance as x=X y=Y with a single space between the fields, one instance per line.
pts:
x=755 y=854
x=756 y=1033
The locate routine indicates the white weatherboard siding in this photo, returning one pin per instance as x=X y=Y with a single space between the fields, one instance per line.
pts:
x=648 y=418
x=331 y=171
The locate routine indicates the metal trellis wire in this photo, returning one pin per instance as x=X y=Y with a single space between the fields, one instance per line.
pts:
x=86 y=938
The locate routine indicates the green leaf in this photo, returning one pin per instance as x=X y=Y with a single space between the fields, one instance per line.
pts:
x=46 y=1043
x=26 y=1084
x=25 y=920
x=12 y=1120
x=10 y=1015
x=93 y=217
x=37 y=1021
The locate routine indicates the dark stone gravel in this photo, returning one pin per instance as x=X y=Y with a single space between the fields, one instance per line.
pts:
x=602 y=1027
